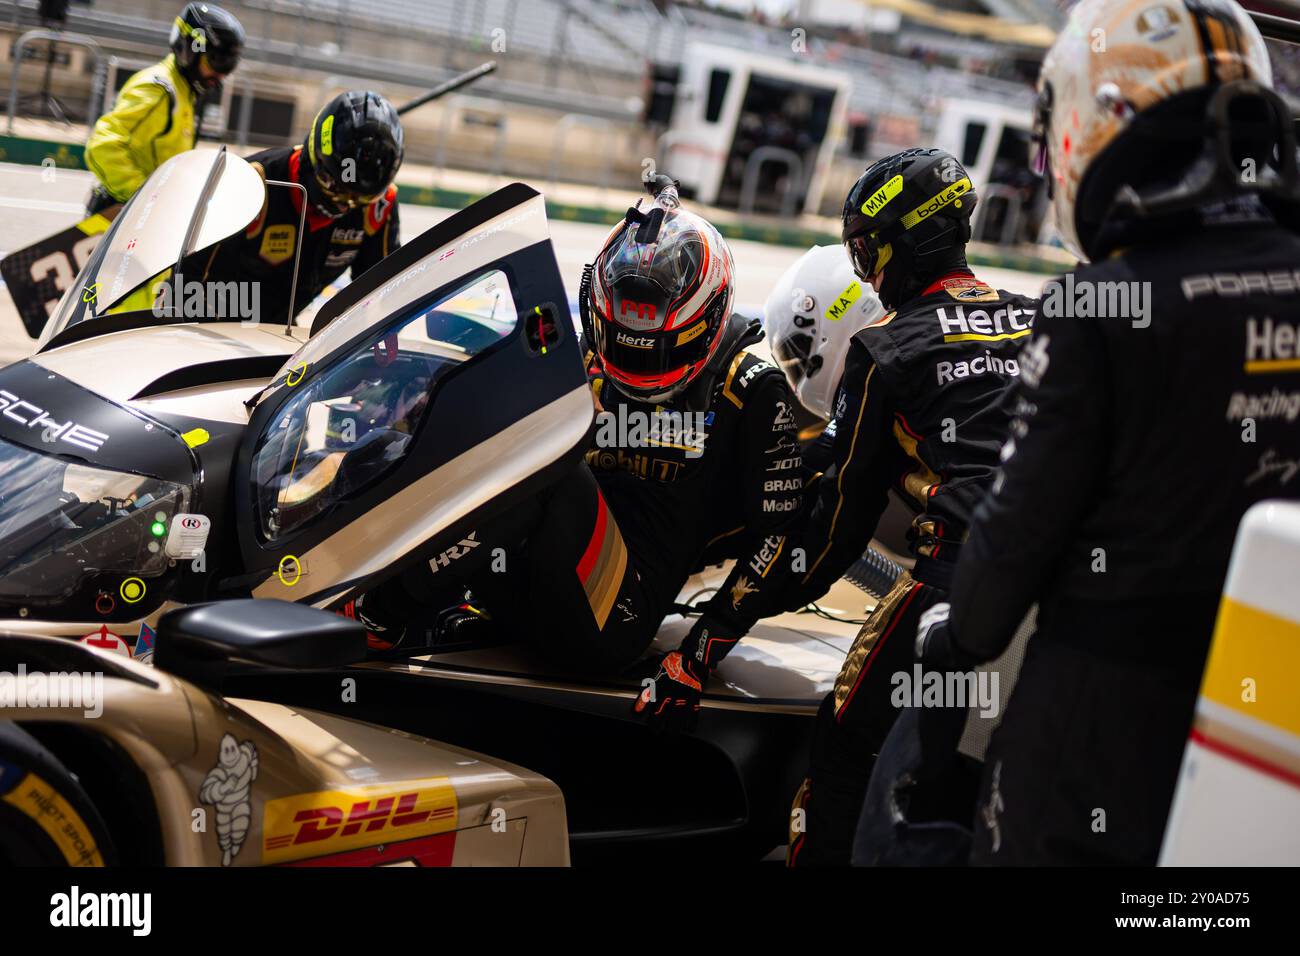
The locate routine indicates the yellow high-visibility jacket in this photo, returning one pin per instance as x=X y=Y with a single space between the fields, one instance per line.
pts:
x=152 y=121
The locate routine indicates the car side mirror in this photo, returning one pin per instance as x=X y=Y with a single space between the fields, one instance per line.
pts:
x=201 y=642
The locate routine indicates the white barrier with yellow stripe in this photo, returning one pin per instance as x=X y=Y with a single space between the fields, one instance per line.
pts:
x=1238 y=796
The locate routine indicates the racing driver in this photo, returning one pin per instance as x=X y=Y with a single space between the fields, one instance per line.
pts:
x=695 y=460
x=347 y=164
x=919 y=408
x=1142 y=434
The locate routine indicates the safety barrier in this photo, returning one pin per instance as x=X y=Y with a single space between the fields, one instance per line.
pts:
x=53 y=36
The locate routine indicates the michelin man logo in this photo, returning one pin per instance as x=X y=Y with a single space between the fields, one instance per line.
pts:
x=228 y=787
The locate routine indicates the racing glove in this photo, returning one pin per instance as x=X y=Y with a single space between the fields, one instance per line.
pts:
x=683 y=674
x=671 y=702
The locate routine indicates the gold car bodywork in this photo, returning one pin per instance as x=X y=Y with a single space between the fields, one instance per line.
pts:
x=245 y=783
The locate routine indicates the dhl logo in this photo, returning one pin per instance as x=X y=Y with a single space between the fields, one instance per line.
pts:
x=334 y=821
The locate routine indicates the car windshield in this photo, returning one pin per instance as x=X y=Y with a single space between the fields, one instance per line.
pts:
x=61 y=522
x=140 y=248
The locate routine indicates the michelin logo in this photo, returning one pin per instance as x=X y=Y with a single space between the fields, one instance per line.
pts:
x=983 y=325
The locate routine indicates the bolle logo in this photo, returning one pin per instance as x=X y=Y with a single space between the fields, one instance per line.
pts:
x=881 y=197
x=925 y=211
x=337 y=820
x=645 y=311
x=455 y=552
x=635 y=341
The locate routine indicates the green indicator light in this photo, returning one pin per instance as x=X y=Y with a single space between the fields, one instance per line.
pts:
x=158 y=528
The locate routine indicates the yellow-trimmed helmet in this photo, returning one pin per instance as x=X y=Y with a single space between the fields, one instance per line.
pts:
x=904 y=217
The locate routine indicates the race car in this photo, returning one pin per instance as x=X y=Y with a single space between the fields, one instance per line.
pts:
x=185 y=484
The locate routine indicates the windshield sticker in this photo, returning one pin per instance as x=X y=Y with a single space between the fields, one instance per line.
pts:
x=187 y=536
x=106 y=640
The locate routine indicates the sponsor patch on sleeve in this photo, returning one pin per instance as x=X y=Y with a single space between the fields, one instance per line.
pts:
x=377 y=212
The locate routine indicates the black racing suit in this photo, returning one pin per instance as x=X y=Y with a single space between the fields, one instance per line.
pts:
x=589 y=568
x=731 y=493
x=1140 y=440
x=265 y=252
x=921 y=409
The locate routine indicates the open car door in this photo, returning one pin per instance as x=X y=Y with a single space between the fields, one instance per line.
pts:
x=438 y=388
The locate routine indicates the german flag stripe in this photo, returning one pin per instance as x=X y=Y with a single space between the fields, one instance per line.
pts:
x=603 y=563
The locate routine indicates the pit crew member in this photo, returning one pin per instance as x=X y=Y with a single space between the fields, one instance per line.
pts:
x=1143 y=431
x=156 y=114
x=919 y=409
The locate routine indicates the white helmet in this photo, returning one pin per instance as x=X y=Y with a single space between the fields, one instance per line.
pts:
x=816 y=307
x=1120 y=67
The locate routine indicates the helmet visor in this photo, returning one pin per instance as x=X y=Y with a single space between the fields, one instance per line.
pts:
x=222 y=59
x=671 y=269
x=1038 y=138
x=864 y=253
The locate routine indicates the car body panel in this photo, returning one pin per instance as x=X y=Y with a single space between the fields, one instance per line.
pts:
x=418 y=799
x=121 y=365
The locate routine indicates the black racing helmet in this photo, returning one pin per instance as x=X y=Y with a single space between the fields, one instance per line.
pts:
x=354 y=149
x=206 y=33
x=907 y=217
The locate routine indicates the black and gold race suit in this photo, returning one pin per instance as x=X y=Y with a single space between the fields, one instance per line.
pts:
x=264 y=253
x=922 y=410
x=712 y=485
x=1142 y=434
x=588 y=568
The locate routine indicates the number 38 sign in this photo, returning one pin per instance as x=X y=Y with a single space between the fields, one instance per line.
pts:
x=38 y=275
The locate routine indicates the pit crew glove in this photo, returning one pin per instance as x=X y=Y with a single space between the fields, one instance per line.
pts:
x=671 y=702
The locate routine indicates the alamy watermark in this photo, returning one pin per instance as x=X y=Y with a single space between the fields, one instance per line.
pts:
x=663 y=428
x=210 y=301
x=1087 y=299
x=937 y=688
x=63 y=689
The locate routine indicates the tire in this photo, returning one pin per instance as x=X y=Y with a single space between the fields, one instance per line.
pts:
x=46 y=817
